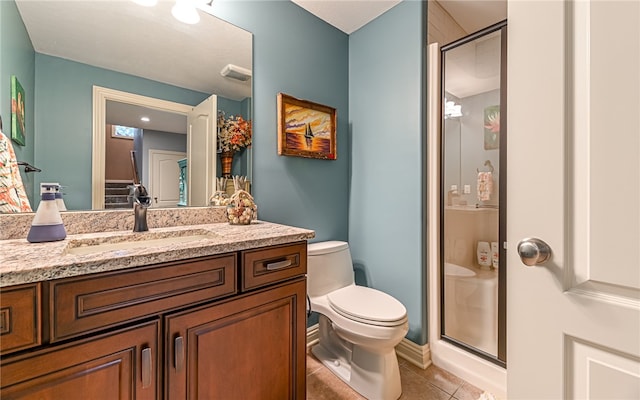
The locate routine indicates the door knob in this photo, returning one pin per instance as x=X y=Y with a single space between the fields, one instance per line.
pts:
x=533 y=251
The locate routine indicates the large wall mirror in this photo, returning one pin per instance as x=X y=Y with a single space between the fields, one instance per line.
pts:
x=128 y=52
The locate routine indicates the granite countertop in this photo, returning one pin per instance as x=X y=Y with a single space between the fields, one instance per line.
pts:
x=24 y=262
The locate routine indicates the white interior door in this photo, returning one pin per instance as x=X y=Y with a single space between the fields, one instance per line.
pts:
x=573 y=181
x=164 y=177
x=201 y=146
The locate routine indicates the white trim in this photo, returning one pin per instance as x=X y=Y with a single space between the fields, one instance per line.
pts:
x=313 y=335
x=417 y=355
x=481 y=373
x=100 y=97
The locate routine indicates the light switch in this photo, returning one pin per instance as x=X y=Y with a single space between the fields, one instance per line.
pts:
x=467 y=189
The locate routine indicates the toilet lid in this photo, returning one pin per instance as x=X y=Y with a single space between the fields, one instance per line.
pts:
x=367 y=305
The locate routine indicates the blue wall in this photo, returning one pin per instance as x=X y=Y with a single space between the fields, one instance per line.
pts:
x=18 y=60
x=298 y=54
x=385 y=109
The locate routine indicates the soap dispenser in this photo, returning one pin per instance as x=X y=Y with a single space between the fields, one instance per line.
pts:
x=60 y=200
x=47 y=225
x=484 y=255
x=58 y=191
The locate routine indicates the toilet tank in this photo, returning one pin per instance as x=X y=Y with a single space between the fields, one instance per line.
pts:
x=329 y=267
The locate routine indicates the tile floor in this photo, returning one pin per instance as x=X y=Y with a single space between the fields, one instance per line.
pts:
x=430 y=384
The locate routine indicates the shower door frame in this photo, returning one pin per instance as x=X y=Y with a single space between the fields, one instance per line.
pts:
x=501 y=358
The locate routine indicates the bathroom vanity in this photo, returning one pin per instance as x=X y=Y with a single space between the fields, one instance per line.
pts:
x=222 y=316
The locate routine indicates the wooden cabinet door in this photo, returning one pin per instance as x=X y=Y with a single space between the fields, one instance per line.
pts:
x=119 y=365
x=252 y=347
x=20 y=318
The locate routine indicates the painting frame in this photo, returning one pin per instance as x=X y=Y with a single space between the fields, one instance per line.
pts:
x=306 y=129
x=18 y=123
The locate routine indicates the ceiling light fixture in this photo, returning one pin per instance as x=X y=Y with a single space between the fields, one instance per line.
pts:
x=146 y=3
x=185 y=11
x=145 y=119
x=452 y=110
x=234 y=72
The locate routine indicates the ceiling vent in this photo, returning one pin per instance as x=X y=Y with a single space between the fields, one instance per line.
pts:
x=235 y=72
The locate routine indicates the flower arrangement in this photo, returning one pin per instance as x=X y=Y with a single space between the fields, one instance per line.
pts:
x=234 y=133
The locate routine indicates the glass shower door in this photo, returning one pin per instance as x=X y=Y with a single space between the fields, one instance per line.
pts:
x=472 y=187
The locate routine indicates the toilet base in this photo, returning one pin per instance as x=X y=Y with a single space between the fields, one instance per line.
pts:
x=373 y=374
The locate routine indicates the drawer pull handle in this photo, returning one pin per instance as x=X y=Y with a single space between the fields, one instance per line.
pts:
x=147 y=367
x=278 y=265
x=178 y=345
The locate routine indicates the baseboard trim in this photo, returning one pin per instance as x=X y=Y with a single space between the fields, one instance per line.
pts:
x=416 y=354
x=313 y=335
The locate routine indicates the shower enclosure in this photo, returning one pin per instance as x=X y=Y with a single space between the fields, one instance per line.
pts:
x=472 y=188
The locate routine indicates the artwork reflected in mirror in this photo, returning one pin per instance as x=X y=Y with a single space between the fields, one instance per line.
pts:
x=178 y=63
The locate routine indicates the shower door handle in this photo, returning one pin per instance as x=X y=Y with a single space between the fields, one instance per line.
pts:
x=533 y=251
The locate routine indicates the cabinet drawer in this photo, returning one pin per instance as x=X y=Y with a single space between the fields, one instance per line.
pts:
x=20 y=318
x=88 y=303
x=261 y=267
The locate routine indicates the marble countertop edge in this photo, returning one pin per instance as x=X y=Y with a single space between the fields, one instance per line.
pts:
x=23 y=262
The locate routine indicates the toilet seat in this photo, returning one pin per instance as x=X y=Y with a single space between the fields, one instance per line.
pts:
x=368 y=306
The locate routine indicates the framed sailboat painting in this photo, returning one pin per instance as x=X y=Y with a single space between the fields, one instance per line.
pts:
x=306 y=129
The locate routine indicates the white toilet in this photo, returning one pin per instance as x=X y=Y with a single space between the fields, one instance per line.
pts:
x=359 y=326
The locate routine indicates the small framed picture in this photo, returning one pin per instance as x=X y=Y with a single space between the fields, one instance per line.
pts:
x=492 y=127
x=306 y=129
x=18 y=130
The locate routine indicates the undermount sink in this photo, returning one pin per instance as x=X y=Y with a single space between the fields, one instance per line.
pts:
x=136 y=241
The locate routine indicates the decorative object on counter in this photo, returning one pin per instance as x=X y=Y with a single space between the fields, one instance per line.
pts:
x=239 y=183
x=244 y=184
x=485 y=182
x=234 y=135
x=241 y=209
x=220 y=197
x=226 y=159
x=484 y=255
x=306 y=129
x=47 y=225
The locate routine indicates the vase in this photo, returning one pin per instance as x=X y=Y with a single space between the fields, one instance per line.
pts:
x=226 y=159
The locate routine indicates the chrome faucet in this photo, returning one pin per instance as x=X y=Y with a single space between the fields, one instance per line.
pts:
x=141 y=201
